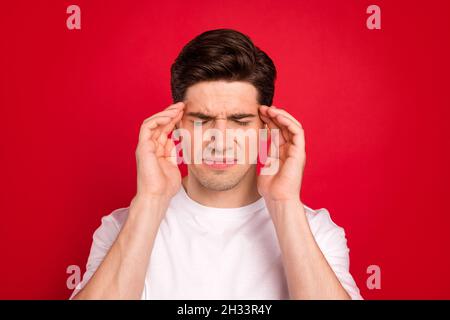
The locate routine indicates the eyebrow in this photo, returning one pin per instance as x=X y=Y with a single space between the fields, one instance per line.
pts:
x=235 y=116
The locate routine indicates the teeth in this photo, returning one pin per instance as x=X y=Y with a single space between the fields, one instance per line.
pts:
x=219 y=160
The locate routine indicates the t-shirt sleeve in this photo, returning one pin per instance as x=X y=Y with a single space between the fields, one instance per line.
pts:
x=102 y=240
x=332 y=242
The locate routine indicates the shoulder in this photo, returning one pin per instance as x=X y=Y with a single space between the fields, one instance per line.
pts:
x=332 y=241
x=111 y=225
x=320 y=218
x=117 y=217
x=326 y=232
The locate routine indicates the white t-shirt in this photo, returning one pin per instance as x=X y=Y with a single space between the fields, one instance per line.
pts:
x=220 y=253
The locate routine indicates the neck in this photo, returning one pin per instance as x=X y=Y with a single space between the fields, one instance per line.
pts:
x=244 y=193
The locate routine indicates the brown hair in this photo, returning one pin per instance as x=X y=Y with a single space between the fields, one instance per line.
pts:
x=223 y=54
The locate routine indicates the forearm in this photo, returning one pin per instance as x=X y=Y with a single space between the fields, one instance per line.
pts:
x=121 y=275
x=308 y=274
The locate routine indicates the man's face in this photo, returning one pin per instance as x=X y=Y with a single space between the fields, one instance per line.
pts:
x=221 y=106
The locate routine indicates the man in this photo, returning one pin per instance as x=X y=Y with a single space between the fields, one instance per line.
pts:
x=223 y=231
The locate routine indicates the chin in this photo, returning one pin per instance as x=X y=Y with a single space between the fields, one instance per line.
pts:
x=218 y=180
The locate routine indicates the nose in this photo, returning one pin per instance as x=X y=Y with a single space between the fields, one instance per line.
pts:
x=220 y=124
x=221 y=143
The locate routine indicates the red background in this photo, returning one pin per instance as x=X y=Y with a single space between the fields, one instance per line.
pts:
x=374 y=105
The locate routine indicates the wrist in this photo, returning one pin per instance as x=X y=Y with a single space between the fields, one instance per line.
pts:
x=286 y=211
x=276 y=205
x=153 y=206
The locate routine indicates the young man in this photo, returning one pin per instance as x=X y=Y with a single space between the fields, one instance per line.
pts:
x=223 y=231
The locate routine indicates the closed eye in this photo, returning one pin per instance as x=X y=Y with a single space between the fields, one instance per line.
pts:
x=242 y=123
x=201 y=121
x=201 y=118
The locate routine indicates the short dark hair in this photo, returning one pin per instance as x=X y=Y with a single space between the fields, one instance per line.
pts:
x=223 y=54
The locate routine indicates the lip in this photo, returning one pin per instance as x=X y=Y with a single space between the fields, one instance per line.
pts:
x=219 y=164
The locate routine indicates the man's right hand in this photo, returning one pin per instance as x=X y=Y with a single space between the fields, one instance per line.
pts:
x=158 y=175
x=121 y=274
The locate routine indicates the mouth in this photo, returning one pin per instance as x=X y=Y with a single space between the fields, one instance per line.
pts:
x=219 y=164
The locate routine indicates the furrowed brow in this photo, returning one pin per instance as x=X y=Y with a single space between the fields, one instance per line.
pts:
x=200 y=115
x=236 y=116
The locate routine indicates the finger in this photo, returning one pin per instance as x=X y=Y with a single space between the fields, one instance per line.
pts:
x=166 y=113
x=163 y=126
x=146 y=130
x=169 y=127
x=268 y=121
x=159 y=150
x=170 y=110
x=160 y=134
x=273 y=112
x=276 y=140
x=284 y=132
x=160 y=137
x=296 y=132
x=266 y=118
x=263 y=110
x=288 y=123
x=170 y=152
x=276 y=110
x=179 y=105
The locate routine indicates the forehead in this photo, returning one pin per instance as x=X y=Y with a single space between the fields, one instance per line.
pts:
x=221 y=97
